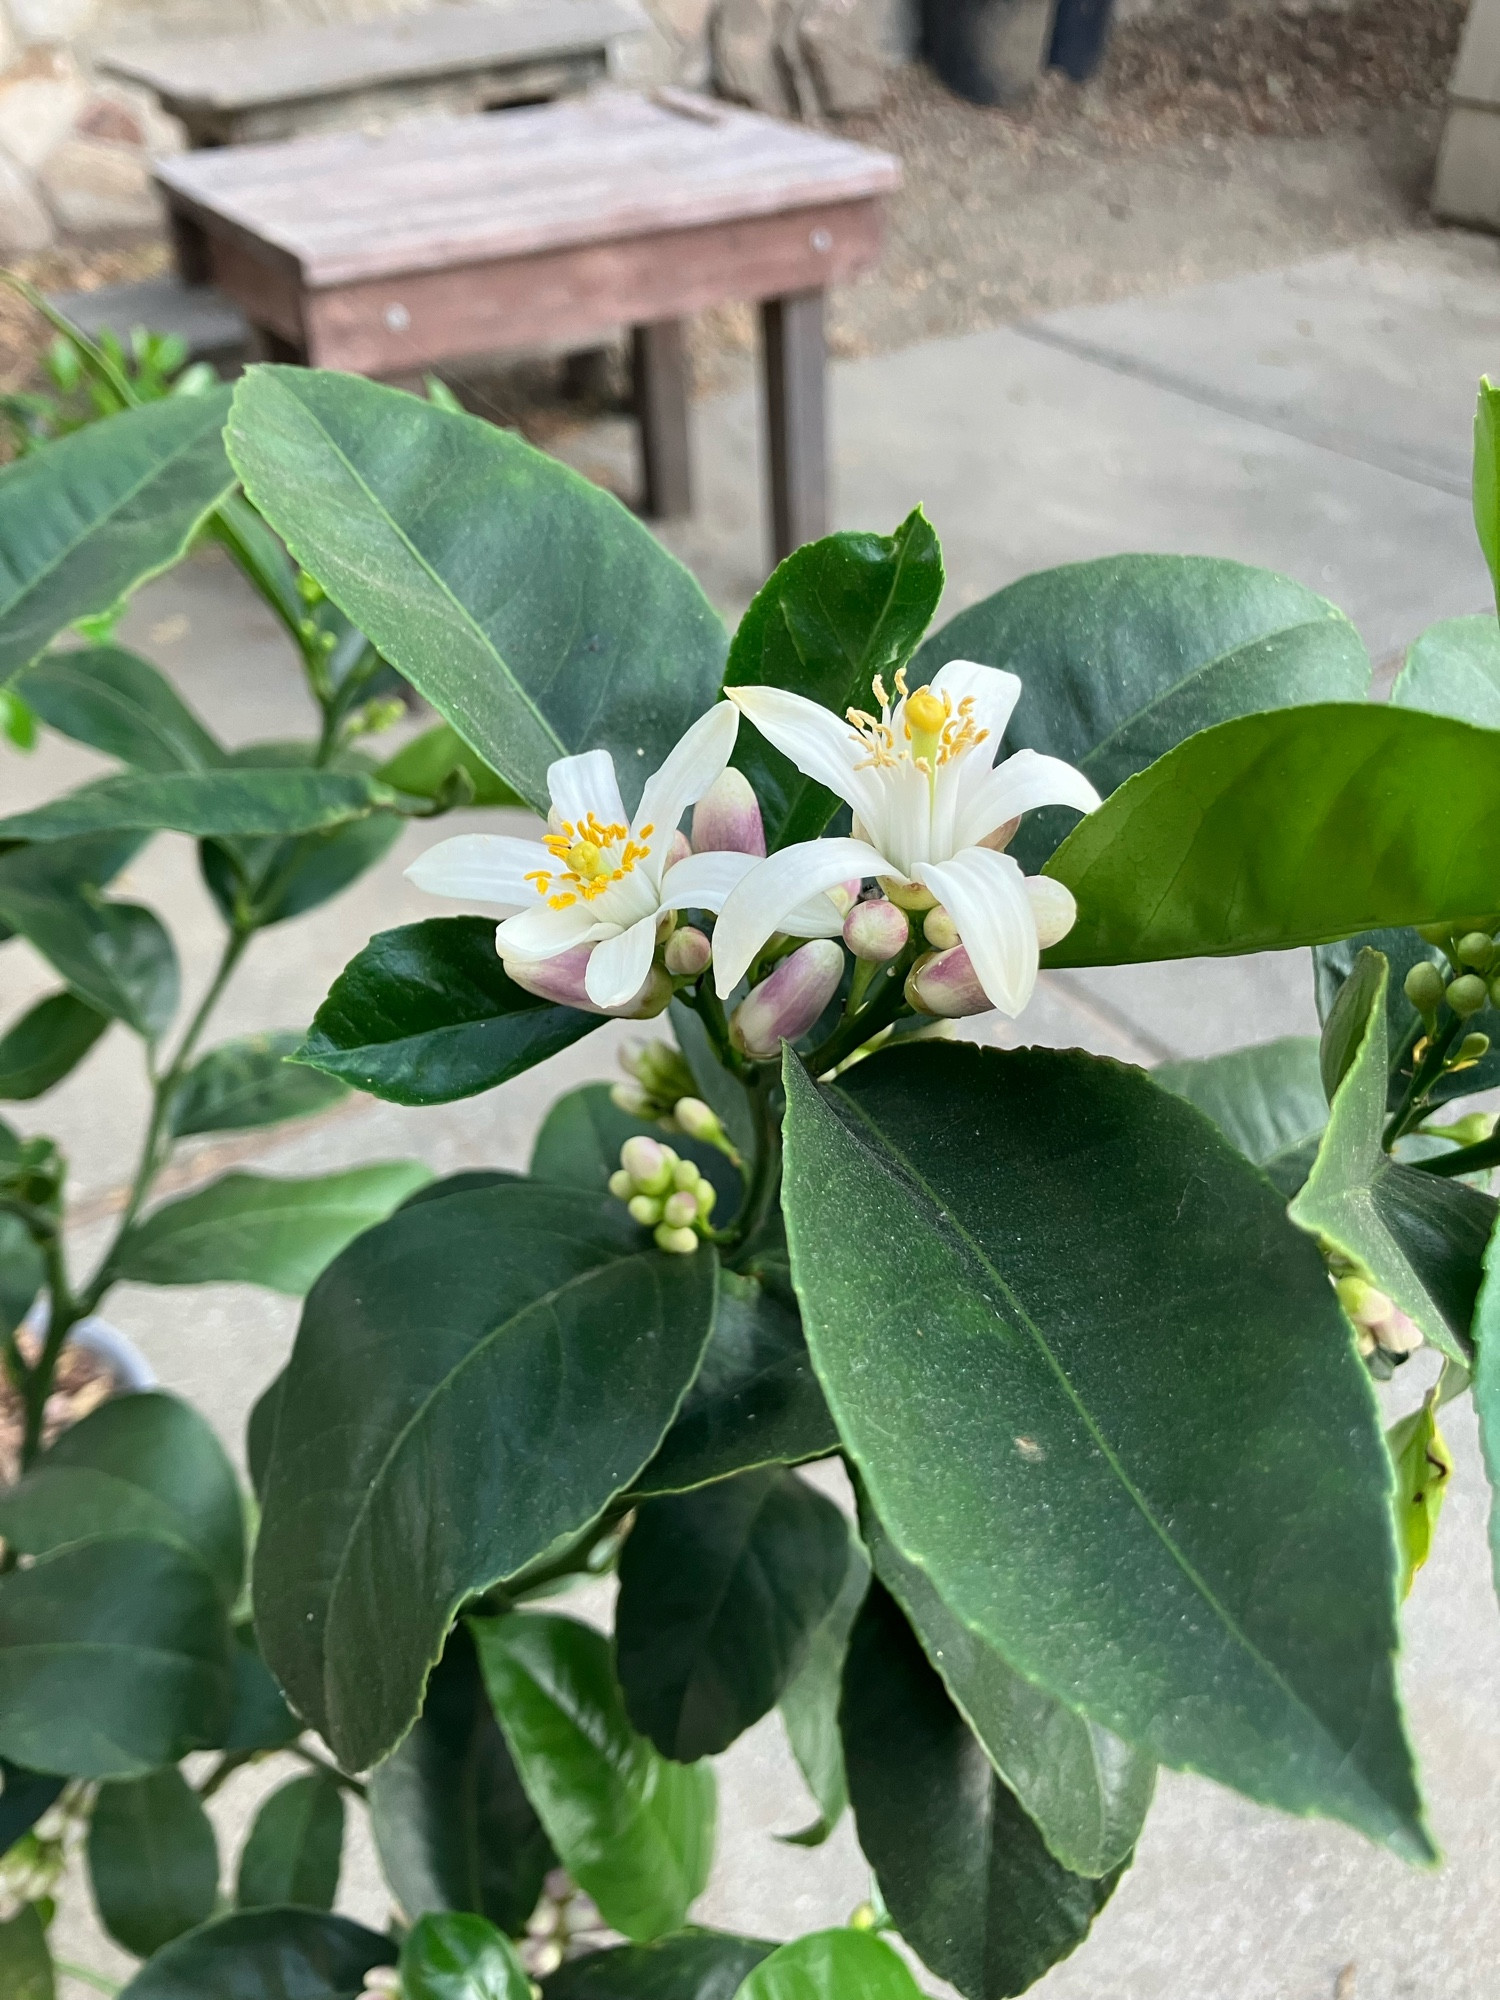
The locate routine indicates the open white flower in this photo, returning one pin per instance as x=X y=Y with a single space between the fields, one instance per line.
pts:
x=599 y=877
x=932 y=810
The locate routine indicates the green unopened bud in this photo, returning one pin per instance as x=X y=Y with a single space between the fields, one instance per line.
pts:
x=1423 y=986
x=1476 y=950
x=645 y=1209
x=686 y=1174
x=697 y=1120
x=621 y=1186
x=648 y=1164
x=1467 y=994
x=939 y=929
x=687 y=954
x=631 y=1099
x=705 y=1194
x=1470 y=1130
x=308 y=588
x=676 y=1242
x=1471 y=1049
x=864 y=1918
x=681 y=1209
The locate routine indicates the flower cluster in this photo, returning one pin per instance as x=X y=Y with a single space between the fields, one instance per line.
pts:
x=664 y=1193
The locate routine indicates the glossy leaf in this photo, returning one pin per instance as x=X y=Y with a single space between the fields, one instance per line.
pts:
x=581 y=1136
x=1454 y=669
x=1421 y=1238
x=145 y=1464
x=153 y=1860
x=115 y=956
x=1332 y=964
x=24 y=1797
x=692 y=1965
x=810 y=1704
x=1487 y=1388
x=259 y=1718
x=1267 y=1101
x=246 y=1084
x=424 y=768
x=755 y=1401
x=1102 y=1467
x=832 y=1965
x=119 y=704
x=1487 y=475
x=633 y=1830
x=1424 y=1466
x=453 y=1825
x=425 y=1015
x=527 y=605
x=963 y=1870
x=1121 y=659
x=48 y=1041
x=265 y=1955
x=23 y=1271
x=1086 y=1792
x=455 y=1956
x=249 y=1229
x=832 y=616
x=114 y=1659
x=721 y=1591
x=473 y=1380
x=25 y=1962
x=97 y=513
x=1326 y=820
x=296 y=1847
x=221 y=803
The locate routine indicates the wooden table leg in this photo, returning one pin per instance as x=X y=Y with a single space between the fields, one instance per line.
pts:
x=661 y=404
x=268 y=346
x=796 y=420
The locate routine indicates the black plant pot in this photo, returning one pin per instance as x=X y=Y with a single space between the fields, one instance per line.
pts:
x=990 y=51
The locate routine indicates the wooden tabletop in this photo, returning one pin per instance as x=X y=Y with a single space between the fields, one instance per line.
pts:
x=237 y=72
x=443 y=192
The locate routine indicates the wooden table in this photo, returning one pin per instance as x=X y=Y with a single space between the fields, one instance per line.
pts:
x=552 y=225
x=231 y=90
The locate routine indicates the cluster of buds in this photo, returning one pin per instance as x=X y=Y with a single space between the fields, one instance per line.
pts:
x=1380 y=1326
x=1474 y=960
x=564 y=1924
x=664 y=1194
x=382 y=1982
x=659 y=1079
x=31 y=1869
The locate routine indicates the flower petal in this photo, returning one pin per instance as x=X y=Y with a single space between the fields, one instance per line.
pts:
x=993 y=691
x=543 y=932
x=702 y=881
x=818 y=917
x=773 y=889
x=985 y=894
x=1021 y=783
x=618 y=967
x=482 y=868
x=821 y=744
x=692 y=764
x=582 y=785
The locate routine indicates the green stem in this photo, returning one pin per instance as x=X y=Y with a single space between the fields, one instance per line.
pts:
x=855 y=1029
x=65 y=1315
x=765 y=1174
x=86 y=1978
x=1466 y=1160
x=322 y=1764
x=1425 y=1075
x=228 y=1764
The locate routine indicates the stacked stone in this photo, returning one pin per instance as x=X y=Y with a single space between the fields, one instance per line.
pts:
x=796 y=58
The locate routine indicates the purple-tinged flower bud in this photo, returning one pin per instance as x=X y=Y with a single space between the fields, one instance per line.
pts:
x=1003 y=835
x=945 y=983
x=648 y=1164
x=687 y=954
x=653 y=998
x=939 y=929
x=876 y=931
x=786 y=1005
x=560 y=980
x=676 y=1242
x=678 y=850
x=844 y=895
x=728 y=816
x=680 y=1209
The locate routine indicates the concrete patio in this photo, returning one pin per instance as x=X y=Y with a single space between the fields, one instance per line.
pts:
x=1315 y=420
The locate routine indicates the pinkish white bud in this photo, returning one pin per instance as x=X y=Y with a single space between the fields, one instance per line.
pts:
x=557 y=979
x=876 y=931
x=679 y=850
x=681 y=1209
x=687 y=954
x=728 y=816
x=844 y=895
x=786 y=1005
x=939 y=929
x=676 y=1242
x=648 y=1164
x=1053 y=907
x=945 y=983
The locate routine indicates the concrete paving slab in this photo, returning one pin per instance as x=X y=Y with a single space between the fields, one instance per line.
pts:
x=1374 y=353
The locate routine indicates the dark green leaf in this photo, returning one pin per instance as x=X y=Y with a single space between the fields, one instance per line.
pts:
x=810 y=1704
x=115 y=956
x=138 y=1465
x=1327 y=820
x=964 y=1872
x=1345 y=1024
x=580 y=1140
x=85 y=521
x=265 y=1955
x=1123 y=658
x=1086 y=1791
x=259 y=1718
x=23 y=1272
x=721 y=1591
x=251 y=1083
x=693 y=1965
x=425 y=1015
x=1267 y=1100
x=423 y=769
x=114 y=1660
x=1454 y=669
x=153 y=1860
x=634 y=1831
x=249 y=1229
x=224 y=803
x=526 y=604
x=455 y=1956
x=756 y=1400
x=1487 y=1389
x=24 y=1797
x=1420 y=1238
x=718 y=1089
x=260 y=1428
x=296 y=1847
x=48 y=1041
x=1105 y=1436
x=832 y=1965
x=25 y=1962
x=1487 y=475
x=119 y=704
x=454 y=1828
x=833 y=615
x=472 y=1381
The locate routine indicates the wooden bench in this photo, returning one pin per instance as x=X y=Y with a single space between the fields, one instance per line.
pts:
x=236 y=89
x=552 y=226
